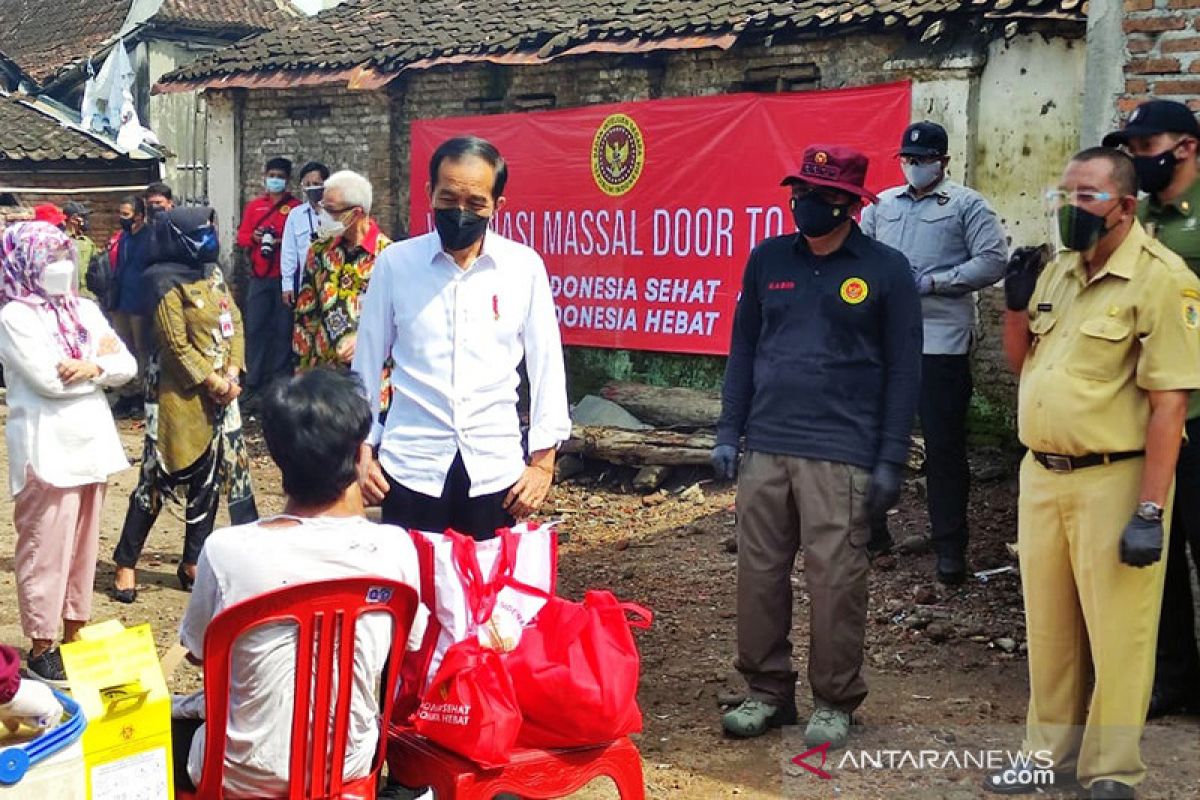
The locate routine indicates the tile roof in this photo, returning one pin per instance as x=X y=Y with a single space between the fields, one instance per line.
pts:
x=228 y=16
x=30 y=134
x=45 y=37
x=388 y=35
x=38 y=38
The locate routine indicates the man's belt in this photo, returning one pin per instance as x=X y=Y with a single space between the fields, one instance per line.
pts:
x=1057 y=463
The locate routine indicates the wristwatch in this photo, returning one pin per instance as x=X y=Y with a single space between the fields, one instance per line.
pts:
x=1149 y=511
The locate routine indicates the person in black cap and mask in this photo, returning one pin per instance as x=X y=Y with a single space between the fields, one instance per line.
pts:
x=956 y=246
x=822 y=381
x=457 y=310
x=1162 y=136
x=76 y=226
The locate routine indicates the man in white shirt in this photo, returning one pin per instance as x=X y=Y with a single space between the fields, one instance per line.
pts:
x=300 y=230
x=314 y=425
x=457 y=309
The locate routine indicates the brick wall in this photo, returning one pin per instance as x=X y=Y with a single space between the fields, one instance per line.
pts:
x=343 y=129
x=1163 y=59
x=588 y=80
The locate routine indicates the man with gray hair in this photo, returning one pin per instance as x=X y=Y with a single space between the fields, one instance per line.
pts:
x=336 y=274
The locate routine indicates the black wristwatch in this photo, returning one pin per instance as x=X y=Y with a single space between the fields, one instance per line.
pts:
x=1149 y=511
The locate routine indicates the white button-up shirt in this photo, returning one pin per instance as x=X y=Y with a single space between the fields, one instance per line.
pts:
x=301 y=223
x=456 y=337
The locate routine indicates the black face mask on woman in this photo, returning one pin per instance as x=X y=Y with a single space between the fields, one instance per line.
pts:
x=816 y=216
x=459 y=228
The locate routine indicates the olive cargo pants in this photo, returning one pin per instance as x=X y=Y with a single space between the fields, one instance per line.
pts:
x=784 y=502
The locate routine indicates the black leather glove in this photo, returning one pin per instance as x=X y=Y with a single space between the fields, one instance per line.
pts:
x=883 y=491
x=1022 y=273
x=1141 y=542
x=724 y=461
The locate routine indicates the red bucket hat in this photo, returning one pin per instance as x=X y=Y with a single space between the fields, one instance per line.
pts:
x=834 y=166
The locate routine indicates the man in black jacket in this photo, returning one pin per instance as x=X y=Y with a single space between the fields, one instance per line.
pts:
x=822 y=381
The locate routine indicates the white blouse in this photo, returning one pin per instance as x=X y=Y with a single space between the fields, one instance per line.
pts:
x=65 y=434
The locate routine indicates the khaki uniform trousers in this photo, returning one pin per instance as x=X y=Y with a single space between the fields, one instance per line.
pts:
x=784 y=502
x=1088 y=618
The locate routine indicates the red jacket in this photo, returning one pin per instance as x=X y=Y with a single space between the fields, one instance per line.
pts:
x=261 y=213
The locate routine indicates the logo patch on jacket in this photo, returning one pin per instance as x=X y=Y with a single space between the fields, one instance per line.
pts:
x=854 y=290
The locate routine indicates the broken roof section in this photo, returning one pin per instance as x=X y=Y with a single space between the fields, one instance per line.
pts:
x=366 y=43
x=40 y=130
x=44 y=39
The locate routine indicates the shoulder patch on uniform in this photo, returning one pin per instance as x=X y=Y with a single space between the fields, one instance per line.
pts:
x=1191 y=313
x=285 y=210
x=854 y=290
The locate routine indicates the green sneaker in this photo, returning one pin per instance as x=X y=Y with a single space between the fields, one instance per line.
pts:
x=755 y=717
x=827 y=725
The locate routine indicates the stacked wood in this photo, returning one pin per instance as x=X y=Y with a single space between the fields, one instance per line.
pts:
x=639 y=448
x=665 y=407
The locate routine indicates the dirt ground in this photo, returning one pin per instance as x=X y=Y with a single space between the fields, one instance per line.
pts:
x=946 y=668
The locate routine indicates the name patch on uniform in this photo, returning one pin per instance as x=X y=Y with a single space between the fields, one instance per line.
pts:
x=780 y=286
x=1191 y=313
x=1045 y=306
x=854 y=290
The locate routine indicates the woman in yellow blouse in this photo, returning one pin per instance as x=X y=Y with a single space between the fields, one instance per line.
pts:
x=193 y=426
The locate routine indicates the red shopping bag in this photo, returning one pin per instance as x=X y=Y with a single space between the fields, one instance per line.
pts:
x=576 y=671
x=471 y=708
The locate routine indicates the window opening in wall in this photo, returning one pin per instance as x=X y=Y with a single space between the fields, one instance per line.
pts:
x=783 y=78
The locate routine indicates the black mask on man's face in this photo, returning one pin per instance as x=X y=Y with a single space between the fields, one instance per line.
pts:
x=1154 y=173
x=1080 y=229
x=127 y=224
x=815 y=216
x=458 y=227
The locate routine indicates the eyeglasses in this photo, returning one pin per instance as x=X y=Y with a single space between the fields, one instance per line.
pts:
x=1063 y=196
x=332 y=210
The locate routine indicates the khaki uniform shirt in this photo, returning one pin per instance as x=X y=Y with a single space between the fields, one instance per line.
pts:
x=1177 y=225
x=187 y=328
x=85 y=248
x=1100 y=345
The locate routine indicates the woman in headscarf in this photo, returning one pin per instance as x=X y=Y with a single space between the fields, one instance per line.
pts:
x=58 y=353
x=193 y=428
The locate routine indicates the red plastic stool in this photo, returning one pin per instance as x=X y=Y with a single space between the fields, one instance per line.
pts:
x=541 y=774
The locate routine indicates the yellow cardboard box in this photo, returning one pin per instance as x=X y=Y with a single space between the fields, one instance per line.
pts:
x=116 y=677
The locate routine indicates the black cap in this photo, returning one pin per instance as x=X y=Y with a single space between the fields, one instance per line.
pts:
x=1152 y=117
x=73 y=208
x=924 y=139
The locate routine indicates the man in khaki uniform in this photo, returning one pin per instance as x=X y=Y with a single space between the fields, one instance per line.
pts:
x=1107 y=343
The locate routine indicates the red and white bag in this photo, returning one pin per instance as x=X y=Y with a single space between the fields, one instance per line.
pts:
x=463 y=582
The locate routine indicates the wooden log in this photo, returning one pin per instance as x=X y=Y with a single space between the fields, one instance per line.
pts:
x=640 y=448
x=666 y=407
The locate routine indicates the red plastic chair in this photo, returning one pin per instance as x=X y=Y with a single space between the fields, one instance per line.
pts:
x=542 y=774
x=325 y=614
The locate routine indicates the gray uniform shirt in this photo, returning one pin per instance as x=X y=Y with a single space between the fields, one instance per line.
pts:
x=953 y=236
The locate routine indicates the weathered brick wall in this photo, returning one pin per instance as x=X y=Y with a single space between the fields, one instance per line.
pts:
x=588 y=80
x=341 y=128
x=1163 y=43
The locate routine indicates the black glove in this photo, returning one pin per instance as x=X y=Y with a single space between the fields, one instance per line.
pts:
x=1022 y=273
x=1141 y=542
x=883 y=491
x=724 y=461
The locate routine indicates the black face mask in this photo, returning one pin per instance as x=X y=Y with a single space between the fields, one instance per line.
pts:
x=1081 y=230
x=815 y=216
x=1154 y=173
x=127 y=224
x=459 y=228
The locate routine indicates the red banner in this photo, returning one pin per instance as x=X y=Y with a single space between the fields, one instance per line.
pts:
x=646 y=212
